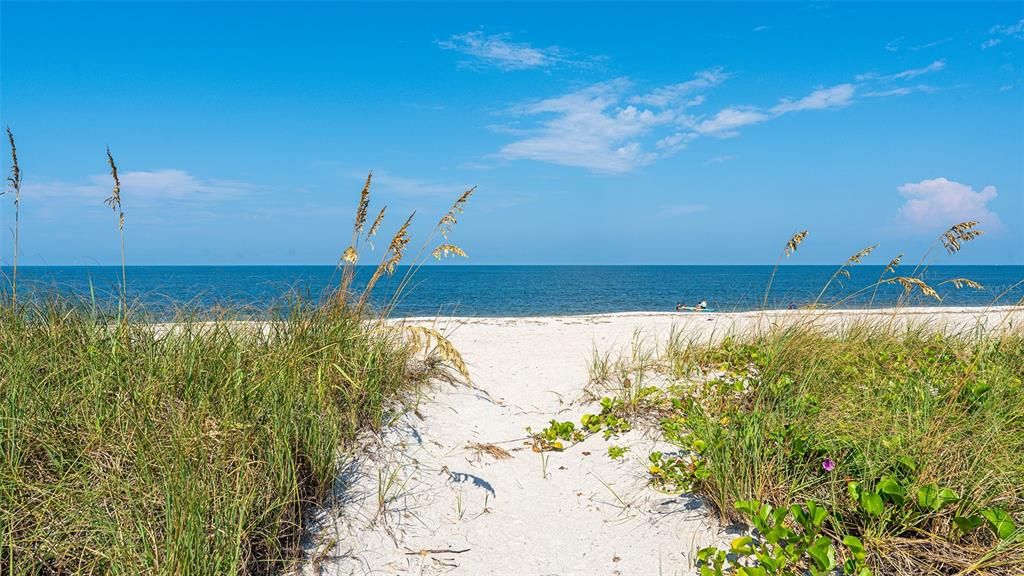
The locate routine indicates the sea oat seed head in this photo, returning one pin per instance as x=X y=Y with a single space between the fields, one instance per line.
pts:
x=794 y=242
x=444 y=250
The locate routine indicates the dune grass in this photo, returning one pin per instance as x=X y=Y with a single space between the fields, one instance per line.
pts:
x=908 y=440
x=803 y=415
x=137 y=448
x=194 y=447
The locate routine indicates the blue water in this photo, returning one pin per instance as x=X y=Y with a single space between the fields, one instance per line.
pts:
x=515 y=290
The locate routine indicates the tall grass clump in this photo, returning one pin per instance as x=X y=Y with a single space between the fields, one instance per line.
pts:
x=912 y=440
x=196 y=446
x=189 y=448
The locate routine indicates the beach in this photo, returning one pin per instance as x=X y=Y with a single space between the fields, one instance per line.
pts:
x=423 y=498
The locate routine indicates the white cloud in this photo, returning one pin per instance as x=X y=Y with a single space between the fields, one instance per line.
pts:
x=1014 y=30
x=935 y=66
x=760 y=28
x=901 y=91
x=143 y=188
x=894 y=45
x=666 y=95
x=724 y=123
x=822 y=98
x=939 y=203
x=500 y=52
x=605 y=128
x=915 y=72
x=590 y=129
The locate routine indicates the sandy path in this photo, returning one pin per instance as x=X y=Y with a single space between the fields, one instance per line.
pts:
x=564 y=513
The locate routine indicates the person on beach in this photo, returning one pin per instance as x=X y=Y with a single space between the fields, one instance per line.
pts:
x=703 y=304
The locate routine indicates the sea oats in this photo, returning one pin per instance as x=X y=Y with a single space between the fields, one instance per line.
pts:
x=891 y=266
x=790 y=248
x=953 y=238
x=444 y=250
x=376 y=224
x=364 y=204
x=794 y=242
x=14 y=181
x=350 y=256
x=909 y=283
x=449 y=220
x=431 y=341
x=961 y=282
x=114 y=201
x=859 y=256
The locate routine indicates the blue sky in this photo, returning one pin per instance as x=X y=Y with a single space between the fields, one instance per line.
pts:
x=596 y=133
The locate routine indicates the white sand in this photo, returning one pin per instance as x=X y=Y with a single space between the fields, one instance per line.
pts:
x=564 y=513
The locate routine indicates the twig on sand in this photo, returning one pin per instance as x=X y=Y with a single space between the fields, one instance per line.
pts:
x=429 y=551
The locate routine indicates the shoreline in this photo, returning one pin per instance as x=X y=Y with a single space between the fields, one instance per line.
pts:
x=895 y=311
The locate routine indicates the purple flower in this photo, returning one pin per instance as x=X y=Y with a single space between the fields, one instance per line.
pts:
x=828 y=464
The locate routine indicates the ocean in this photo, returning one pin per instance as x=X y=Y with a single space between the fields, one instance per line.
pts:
x=469 y=290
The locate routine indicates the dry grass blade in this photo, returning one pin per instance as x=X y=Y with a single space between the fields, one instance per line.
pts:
x=433 y=342
x=891 y=266
x=961 y=282
x=496 y=452
x=859 y=256
x=114 y=200
x=376 y=224
x=364 y=204
x=397 y=247
x=444 y=250
x=449 y=220
x=393 y=255
x=14 y=180
x=909 y=283
x=953 y=238
x=794 y=242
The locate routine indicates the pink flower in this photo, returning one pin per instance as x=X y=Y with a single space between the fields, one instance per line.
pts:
x=828 y=464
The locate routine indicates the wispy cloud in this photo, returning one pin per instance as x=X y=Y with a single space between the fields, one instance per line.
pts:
x=900 y=91
x=938 y=203
x=606 y=127
x=935 y=66
x=833 y=97
x=724 y=123
x=915 y=72
x=1015 y=31
x=589 y=129
x=667 y=95
x=499 y=51
x=897 y=44
x=145 y=188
